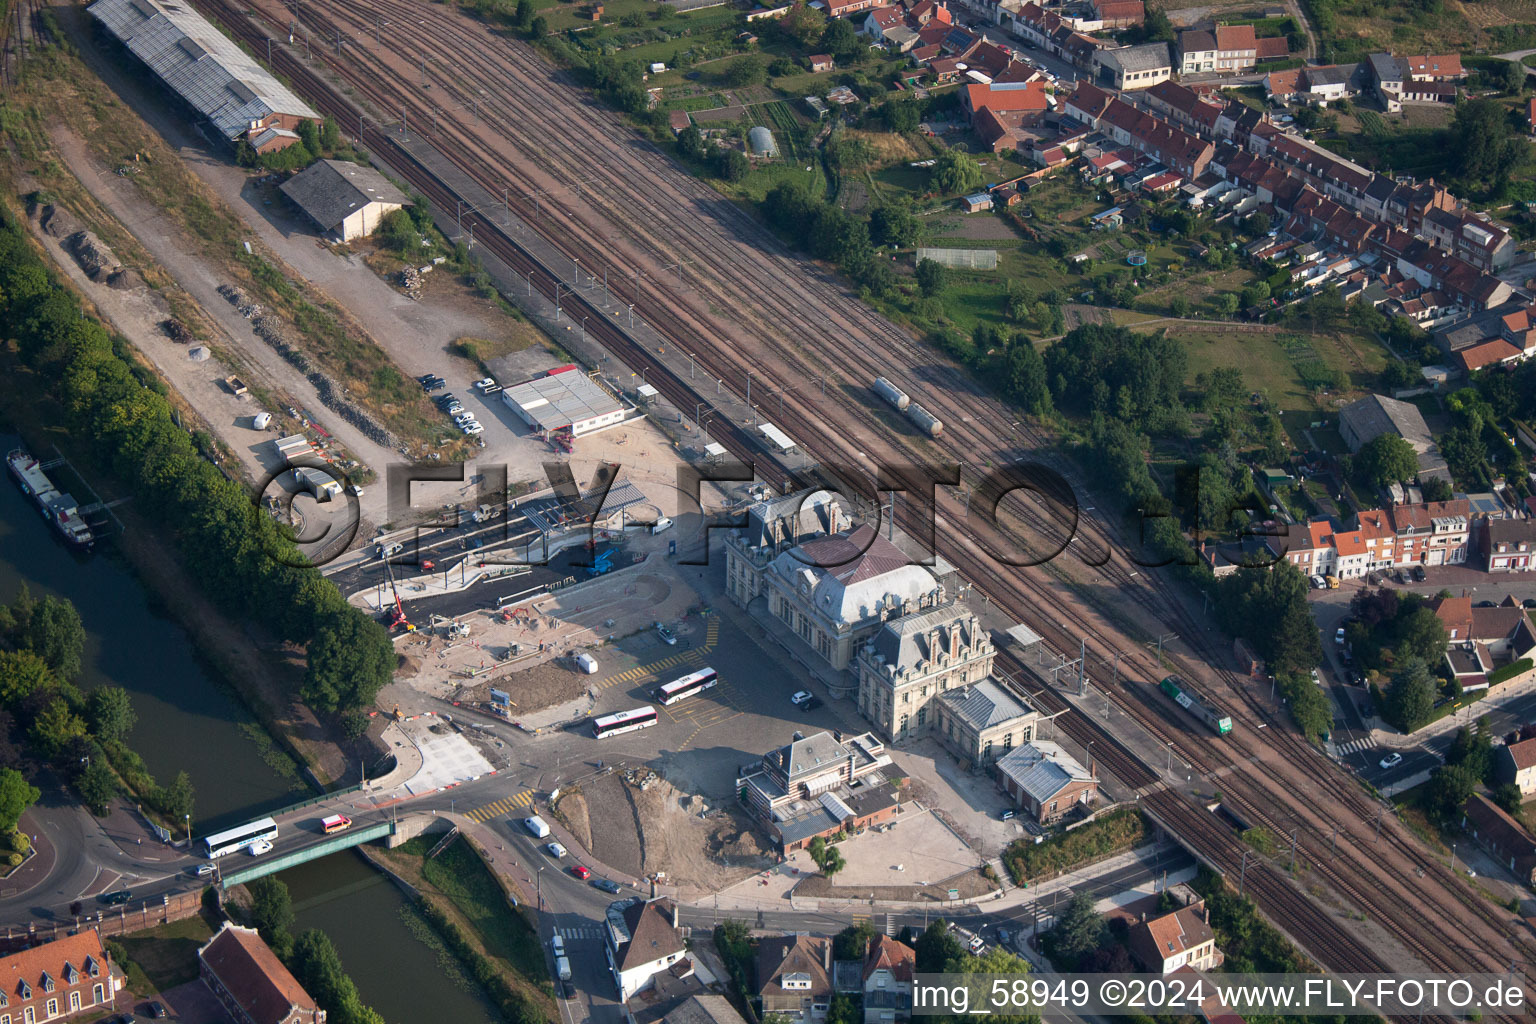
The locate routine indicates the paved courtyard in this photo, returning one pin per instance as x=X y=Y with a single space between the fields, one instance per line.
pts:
x=972 y=802
x=920 y=850
x=446 y=756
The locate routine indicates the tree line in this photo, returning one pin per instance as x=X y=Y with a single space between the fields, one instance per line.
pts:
x=311 y=956
x=45 y=719
x=117 y=410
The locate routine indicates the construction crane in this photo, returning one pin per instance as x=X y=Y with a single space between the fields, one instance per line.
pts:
x=397 y=618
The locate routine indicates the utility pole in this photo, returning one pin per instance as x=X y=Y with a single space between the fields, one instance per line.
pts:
x=1242 y=873
x=1294 y=831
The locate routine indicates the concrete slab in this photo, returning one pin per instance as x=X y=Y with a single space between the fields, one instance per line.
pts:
x=447 y=758
x=972 y=803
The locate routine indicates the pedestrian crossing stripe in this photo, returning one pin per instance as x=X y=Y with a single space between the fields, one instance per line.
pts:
x=690 y=657
x=506 y=805
x=655 y=668
x=1355 y=746
x=586 y=932
x=859 y=919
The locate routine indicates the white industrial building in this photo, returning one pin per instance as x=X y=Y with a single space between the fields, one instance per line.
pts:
x=565 y=401
x=345 y=201
x=205 y=68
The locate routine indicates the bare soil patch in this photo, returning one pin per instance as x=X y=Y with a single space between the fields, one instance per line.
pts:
x=968 y=884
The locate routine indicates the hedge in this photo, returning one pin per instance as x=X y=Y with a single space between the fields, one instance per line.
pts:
x=1114 y=832
x=1509 y=671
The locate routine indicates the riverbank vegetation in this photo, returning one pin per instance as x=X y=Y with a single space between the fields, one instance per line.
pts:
x=46 y=720
x=249 y=567
x=470 y=911
x=310 y=955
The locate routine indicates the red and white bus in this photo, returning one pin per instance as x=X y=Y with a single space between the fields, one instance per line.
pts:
x=687 y=686
x=335 y=823
x=624 y=721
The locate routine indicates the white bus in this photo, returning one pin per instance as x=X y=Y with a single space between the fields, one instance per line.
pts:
x=236 y=839
x=624 y=721
x=687 y=686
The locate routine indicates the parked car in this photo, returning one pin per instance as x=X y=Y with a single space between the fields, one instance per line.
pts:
x=1419 y=574
x=667 y=636
x=472 y=429
x=483 y=383
x=607 y=885
x=157 y=1011
x=1318 y=583
x=1392 y=760
x=581 y=872
x=800 y=697
x=259 y=847
x=116 y=898
x=1400 y=576
x=1338 y=636
x=1006 y=815
x=1529 y=602
x=1485 y=604
x=557 y=944
x=812 y=704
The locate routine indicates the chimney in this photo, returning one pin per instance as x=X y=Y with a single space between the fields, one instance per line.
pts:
x=826 y=954
x=674 y=914
x=1143 y=917
x=1207 y=915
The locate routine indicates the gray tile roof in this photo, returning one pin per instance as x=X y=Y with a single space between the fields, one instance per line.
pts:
x=809 y=755
x=1146 y=57
x=1041 y=769
x=330 y=191
x=199 y=63
x=903 y=642
x=1375 y=415
x=984 y=704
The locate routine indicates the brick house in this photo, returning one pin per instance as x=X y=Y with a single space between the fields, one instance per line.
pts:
x=1045 y=781
x=57 y=979
x=251 y=983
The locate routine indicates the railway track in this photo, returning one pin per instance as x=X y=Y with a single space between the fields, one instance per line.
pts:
x=673 y=311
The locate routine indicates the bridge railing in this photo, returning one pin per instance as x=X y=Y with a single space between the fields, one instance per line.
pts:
x=354 y=836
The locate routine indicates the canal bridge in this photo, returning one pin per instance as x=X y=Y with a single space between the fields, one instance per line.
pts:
x=323 y=846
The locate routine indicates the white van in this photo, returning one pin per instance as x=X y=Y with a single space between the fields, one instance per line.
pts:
x=586 y=663
x=563 y=968
x=661 y=525
x=537 y=826
x=558 y=945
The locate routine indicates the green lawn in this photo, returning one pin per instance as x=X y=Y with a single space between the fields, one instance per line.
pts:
x=167 y=955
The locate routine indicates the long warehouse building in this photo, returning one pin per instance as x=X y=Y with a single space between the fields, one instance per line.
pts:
x=203 y=66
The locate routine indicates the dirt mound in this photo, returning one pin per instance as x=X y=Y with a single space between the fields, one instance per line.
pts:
x=124 y=279
x=573 y=811
x=59 y=222
x=94 y=256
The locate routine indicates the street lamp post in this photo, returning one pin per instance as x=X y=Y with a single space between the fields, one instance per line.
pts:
x=540 y=884
x=188 y=819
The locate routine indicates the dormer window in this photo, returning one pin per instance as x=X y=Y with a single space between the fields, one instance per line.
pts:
x=71 y=975
x=24 y=990
x=47 y=982
x=92 y=967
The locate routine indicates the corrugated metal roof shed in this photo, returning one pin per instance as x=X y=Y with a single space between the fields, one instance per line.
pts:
x=561 y=400
x=201 y=64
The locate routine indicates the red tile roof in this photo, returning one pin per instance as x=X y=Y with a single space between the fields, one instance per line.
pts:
x=1272 y=47
x=1489 y=352
x=984 y=97
x=896 y=957
x=1235 y=37
x=30 y=965
x=253 y=976
x=1442 y=66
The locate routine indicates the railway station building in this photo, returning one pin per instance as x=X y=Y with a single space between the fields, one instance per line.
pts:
x=344 y=200
x=223 y=84
x=914 y=659
x=564 y=402
x=832 y=593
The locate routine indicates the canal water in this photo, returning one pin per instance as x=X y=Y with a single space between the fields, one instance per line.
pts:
x=385 y=947
x=186 y=721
